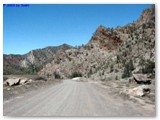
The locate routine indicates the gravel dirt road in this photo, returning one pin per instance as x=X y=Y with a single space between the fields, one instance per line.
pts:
x=71 y=98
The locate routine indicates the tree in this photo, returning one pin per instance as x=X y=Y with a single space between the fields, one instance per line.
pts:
x=118 y=58
x=111 y=68
x=149 y=67
x=128 y=68
x=112 y=31
x=76 y=74
x=56 y=75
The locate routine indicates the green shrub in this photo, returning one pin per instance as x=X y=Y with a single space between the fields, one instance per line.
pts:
x=38 y=68
x=5 y=78
x=16 y=70
x=48 y=75
x=40 y=78
x=92 y=46
x=76 y=74
x=116 y=78
x=128 y=68
x=102 y=72
x=116 y=70
x=124 y=54
x=148 y=67
x=142 y=61
x=6 y=72
x=111 y=68
x=57 y=76
x=118 y=59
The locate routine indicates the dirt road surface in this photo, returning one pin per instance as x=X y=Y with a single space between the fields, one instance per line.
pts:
x=71 y=98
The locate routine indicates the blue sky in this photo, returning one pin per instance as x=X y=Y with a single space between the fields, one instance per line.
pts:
x=42 y=25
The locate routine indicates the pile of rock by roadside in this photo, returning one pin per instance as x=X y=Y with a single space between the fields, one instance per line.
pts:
x=143 y=88
x=17 y=81
x=141 y=79
x=141 y=91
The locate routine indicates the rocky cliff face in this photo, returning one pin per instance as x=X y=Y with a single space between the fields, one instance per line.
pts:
x=42 y=56
x=105 y=38
x=111 y=53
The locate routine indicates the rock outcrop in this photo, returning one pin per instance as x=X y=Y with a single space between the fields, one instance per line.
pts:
x=141 y=79
x=137 y=91
x=17 y=81
x=13 y=81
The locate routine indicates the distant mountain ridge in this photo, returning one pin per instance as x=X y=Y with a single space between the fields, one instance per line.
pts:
x=19 y=64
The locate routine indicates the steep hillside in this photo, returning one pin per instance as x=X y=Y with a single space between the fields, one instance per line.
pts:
x=137 y=52
x=110 y=53
x=105 y=38
x=11 y=63
x=31 y=62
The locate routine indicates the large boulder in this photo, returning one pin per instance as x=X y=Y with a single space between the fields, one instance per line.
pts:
x=76 y=79
x=13 y=81
x=30 y=80
x=23 y=81
x=138 y=91
x=141 y=79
